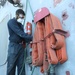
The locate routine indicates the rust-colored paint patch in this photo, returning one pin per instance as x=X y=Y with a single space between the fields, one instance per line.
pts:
x=67 y=73
x=64 y=15
x=71 y=5
x=56 y=2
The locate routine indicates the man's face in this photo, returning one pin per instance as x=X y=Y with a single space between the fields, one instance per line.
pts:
x=20 y=18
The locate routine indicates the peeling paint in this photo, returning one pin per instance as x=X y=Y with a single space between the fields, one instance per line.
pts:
x=64 y=15
x=67 y=73
x=56 y=2
x=71 y=5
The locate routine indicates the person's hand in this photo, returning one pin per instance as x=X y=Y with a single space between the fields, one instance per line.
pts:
x=29 y=38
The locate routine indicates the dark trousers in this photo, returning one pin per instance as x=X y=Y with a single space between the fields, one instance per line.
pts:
x=15 y=58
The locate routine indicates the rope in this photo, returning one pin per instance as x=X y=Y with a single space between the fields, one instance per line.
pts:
x=25 y=11
x=33 y=70
x=31 y=8
x=24 y=59
x=51 y=68
x=29 y=59
x=27 y=62
x=27 y=1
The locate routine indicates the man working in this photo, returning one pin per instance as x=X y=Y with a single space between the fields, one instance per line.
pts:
x=16 y=38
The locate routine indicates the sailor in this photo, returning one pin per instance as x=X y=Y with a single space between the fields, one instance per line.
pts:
x=16 y=39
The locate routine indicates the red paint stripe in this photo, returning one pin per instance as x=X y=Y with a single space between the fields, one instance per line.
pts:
x=67 y=73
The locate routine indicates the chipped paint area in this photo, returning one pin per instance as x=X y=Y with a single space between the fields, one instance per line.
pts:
x=56 y=2
x=67 y=73
x=72 y=5
x=64 y=15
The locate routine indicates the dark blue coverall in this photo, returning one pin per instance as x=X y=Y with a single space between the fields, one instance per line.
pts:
x=16 y=36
